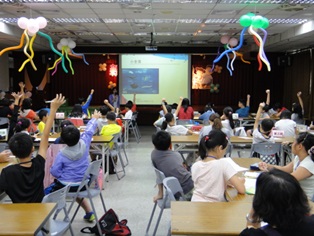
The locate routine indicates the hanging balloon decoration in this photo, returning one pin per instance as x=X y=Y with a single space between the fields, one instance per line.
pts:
x=251 y=22
x=31 y=28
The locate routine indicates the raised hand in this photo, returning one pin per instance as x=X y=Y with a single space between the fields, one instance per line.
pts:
x=57 y=102
x=96 y=114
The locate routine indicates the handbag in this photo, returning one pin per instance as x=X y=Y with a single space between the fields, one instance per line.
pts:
x=110 y=226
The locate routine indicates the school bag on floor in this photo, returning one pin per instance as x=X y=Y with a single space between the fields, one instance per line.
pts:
x=110 y=226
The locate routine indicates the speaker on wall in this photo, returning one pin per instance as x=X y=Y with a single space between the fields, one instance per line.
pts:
x=284 y=60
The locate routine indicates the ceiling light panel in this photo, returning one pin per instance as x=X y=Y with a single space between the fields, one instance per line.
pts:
x=75 y=20
x=114 y=21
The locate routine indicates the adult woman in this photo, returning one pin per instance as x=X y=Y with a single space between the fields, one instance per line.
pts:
x=186 y=112
x=212 y=174
x=279 y=201
x=114 y=98
x=227 y=119
x=170 y=126
x=302 y=167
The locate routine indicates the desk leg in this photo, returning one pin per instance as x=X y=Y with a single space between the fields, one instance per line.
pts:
x=126 y=132
x=282 y=156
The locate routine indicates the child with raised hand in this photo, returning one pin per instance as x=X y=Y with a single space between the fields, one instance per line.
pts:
x=212 y=174
x=23 y=182
x=72 y=161
x=262 y=132
x=86 y=102
x=298 y=110
x=244 y=109
x=170 y=126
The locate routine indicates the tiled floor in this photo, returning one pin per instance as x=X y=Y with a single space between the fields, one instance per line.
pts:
x=131 y=197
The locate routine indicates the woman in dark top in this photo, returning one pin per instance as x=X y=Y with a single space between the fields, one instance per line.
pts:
x=280 y=202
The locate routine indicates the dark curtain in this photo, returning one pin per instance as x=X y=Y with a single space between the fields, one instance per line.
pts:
x=36 y=76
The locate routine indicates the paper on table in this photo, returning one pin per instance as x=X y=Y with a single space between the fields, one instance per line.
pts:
x=252 y=175
x=250 y=185
x=235 y=165
x=49 y=139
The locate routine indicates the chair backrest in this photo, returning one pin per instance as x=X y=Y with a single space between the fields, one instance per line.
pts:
x=58 y=197
x=173 y=188
x=229 y=149
x=51 y=154
x=92 y=172
x=266 y=148
x=134 y=115
x=160 y=176
x=77 y=121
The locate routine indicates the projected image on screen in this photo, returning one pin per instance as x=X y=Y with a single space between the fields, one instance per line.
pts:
x=153 y=76
x=140 y=81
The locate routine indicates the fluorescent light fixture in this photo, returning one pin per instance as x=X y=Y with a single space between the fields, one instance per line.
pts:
x=287 y=21
x=9 y=20
x=190 y=21
x=221 y=21
x=114 y=21
x=75 y=20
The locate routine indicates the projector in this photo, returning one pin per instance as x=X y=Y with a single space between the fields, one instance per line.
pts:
x=151 y=48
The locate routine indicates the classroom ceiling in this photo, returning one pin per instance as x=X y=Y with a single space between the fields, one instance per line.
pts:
x=188 y=23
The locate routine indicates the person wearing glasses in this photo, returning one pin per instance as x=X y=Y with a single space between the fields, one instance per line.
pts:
x=302 y=166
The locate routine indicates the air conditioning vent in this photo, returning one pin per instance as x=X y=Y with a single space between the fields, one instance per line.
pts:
x=292 y=7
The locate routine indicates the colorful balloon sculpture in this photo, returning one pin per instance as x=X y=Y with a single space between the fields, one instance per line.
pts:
x=66 y=46
x=31 y=28
x=251 y=22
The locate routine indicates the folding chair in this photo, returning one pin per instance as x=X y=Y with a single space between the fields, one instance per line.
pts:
x=174 y=192
x=115 y=151
x=267 y=149
x=77 y=121
x=121 y=145
x=57 y=227
x=132 y=125
x=240 y=131
x=92 y=189
x=160 y=176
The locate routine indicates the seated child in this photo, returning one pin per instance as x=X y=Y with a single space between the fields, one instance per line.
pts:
x=112 y=127
x=27 y=112
x=285 y=124
x=22 y=126
x=173 y=129
x=170 y=163
x=23 y=182
x=43 y=116
x=72 y=162
x=212 y=174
